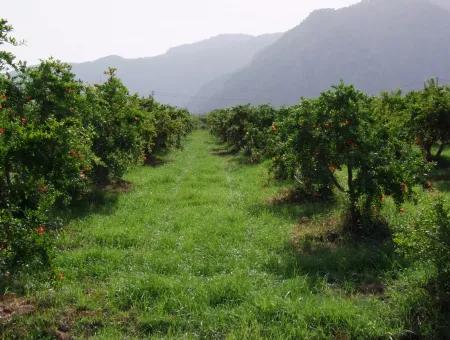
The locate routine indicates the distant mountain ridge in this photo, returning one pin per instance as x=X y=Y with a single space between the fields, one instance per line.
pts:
x=176 y=76
x=375 y=44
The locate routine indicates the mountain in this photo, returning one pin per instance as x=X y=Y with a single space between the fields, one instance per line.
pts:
x=375 y=45
x=178 y=75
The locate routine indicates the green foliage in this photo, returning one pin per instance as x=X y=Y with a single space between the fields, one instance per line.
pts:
x=201 y=256
x=6 y=58
x=244 y=128
x=343 y=139
x=338 y=141
x=59 y=138
x=117 y=122
x=430 y=117
x=163 y=127
x=391 y=110
x=424 y=238
x=220 y=261
x=284 y=161
x=45 y=155
x=419 y=117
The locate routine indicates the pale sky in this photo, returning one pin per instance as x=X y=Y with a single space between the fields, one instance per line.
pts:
x=81 y=30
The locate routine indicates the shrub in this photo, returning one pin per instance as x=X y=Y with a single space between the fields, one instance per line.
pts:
x=244 y=128
x=171 y=125
x=45 y=156
x=429 y=122
x=284 y=161
x=336 y=141
x=424 y=238
x=303 y=150
x=7 y=59
x=116 y=119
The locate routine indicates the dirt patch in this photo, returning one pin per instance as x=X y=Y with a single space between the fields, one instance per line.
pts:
x=11 y=305
x=324 y=231
x=325 y=250
x=60 y=335
x=292 y=196
x=68 y=320
x=285 y=196
x=154 y=161
x=374 y=288
x=121 y=186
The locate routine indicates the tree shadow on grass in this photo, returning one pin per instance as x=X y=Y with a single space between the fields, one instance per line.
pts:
x=224 y=151
x=443 y=186
x=353 y=267
x=156 y=161
x=320 y=249
x=288 y=206
x=101 y=201
x=291 y=211
x=440 y=176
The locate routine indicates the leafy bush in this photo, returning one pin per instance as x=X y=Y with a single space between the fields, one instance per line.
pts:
x=116 y=119
x=336 y=141
x=164 y=126
x=429 y=120
x=284 y=161
x=7 y=59
x=45 y=155
x=424 y=237
x=244 y=128
x=300 y=151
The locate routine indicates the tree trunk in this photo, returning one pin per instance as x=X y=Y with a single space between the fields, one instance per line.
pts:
x=8 y=176
x=428 y=153
x=352 y=198
x=439 y=152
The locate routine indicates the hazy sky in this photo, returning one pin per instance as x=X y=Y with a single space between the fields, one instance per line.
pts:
x=80 y=30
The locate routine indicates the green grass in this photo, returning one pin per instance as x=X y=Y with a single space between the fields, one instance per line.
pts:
x=195 y=250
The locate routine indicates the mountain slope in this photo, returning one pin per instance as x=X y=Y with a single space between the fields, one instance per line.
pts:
x=376 y=45
x=177 y=75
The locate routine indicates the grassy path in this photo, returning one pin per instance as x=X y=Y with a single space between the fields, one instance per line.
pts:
x=193 y=251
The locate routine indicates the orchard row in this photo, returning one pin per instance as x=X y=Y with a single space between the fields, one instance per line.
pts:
x=60 y=139
x=368 y=148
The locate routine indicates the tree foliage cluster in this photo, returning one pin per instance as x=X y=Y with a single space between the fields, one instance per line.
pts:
x=367 y=147
x=245 y=128
x=60 y=139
